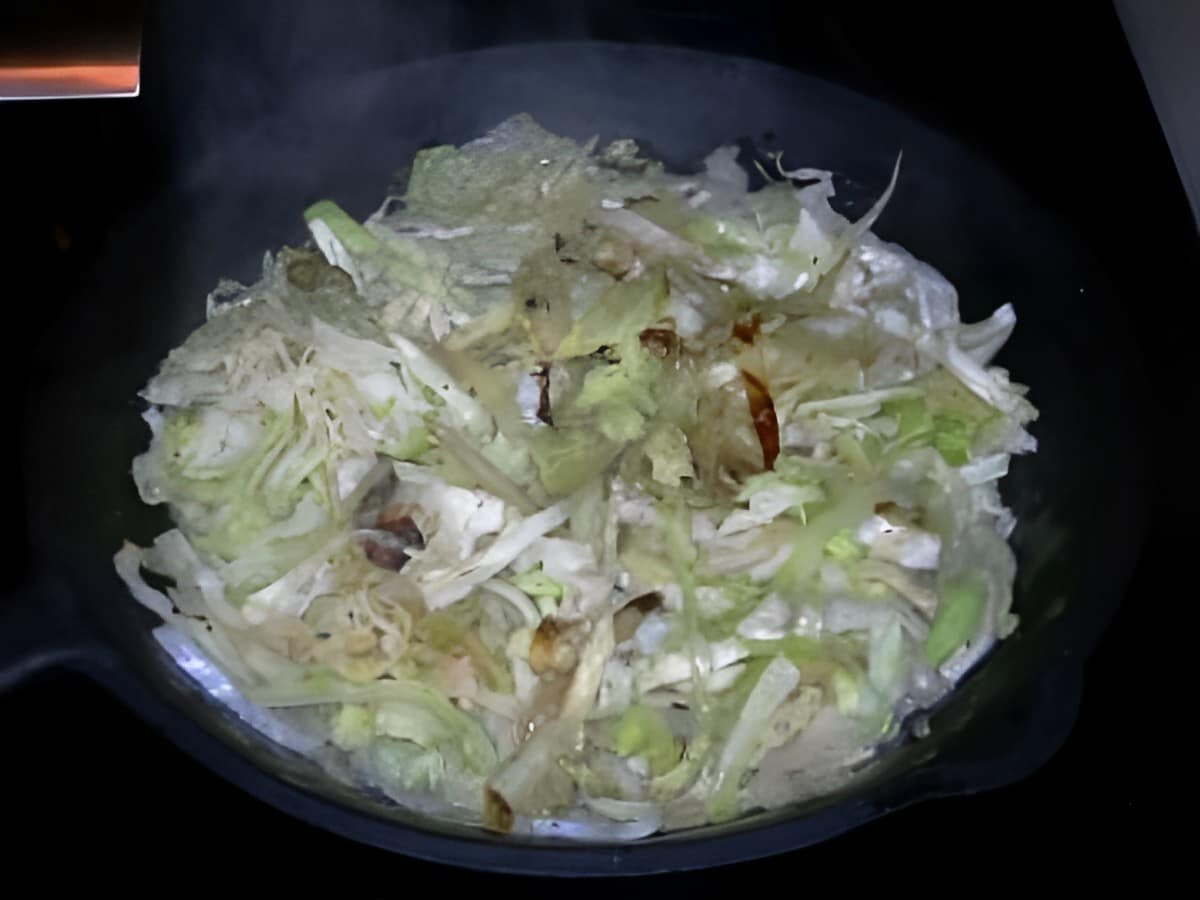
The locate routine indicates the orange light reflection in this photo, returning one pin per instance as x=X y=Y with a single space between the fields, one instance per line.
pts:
x=24 y=81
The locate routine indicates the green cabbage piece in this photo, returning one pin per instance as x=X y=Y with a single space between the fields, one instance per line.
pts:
x=619 y=398
x=790 y=470
x=849 y=505
x=952 y=438
x=353 y=726
x=670 y=459
x=642 y=731
x=567 y=458
x=611 y=410
x=537 y=583
x=383 y=265
x=914 y=424
x=958 y=617
x=803 y=651
x=411 y=447
x=844 y=548
x=618 y=317
x=406 y=765
x=946 y=416
x=405 y=709
x=501 y=179
x=251 y=501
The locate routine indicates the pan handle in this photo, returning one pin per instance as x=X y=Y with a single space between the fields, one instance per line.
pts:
x=40 y=629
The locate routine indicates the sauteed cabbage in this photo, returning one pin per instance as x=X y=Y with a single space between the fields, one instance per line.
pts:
x=573 y=496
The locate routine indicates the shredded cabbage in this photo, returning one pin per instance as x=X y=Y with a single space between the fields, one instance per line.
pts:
x=580 y=497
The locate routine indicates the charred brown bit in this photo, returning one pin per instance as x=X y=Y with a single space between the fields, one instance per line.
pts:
x=308 y=271
x=630 y=616
x=762 y=413
x=746 y=330
x=402 y=535
x=399 y=521
x=646 y=603
x=662 y=342
x=497 y=814
x=897 y=514
x=302 y=273
x=386 y=557
x=542 y=377
x=550 y=649
x=625 y=624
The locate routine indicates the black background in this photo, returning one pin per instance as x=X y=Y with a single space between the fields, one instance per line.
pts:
x=1050 y=91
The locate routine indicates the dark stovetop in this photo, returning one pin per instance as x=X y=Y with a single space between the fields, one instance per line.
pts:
x=1056 y=100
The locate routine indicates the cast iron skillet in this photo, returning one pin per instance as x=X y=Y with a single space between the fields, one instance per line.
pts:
x=245 y=194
